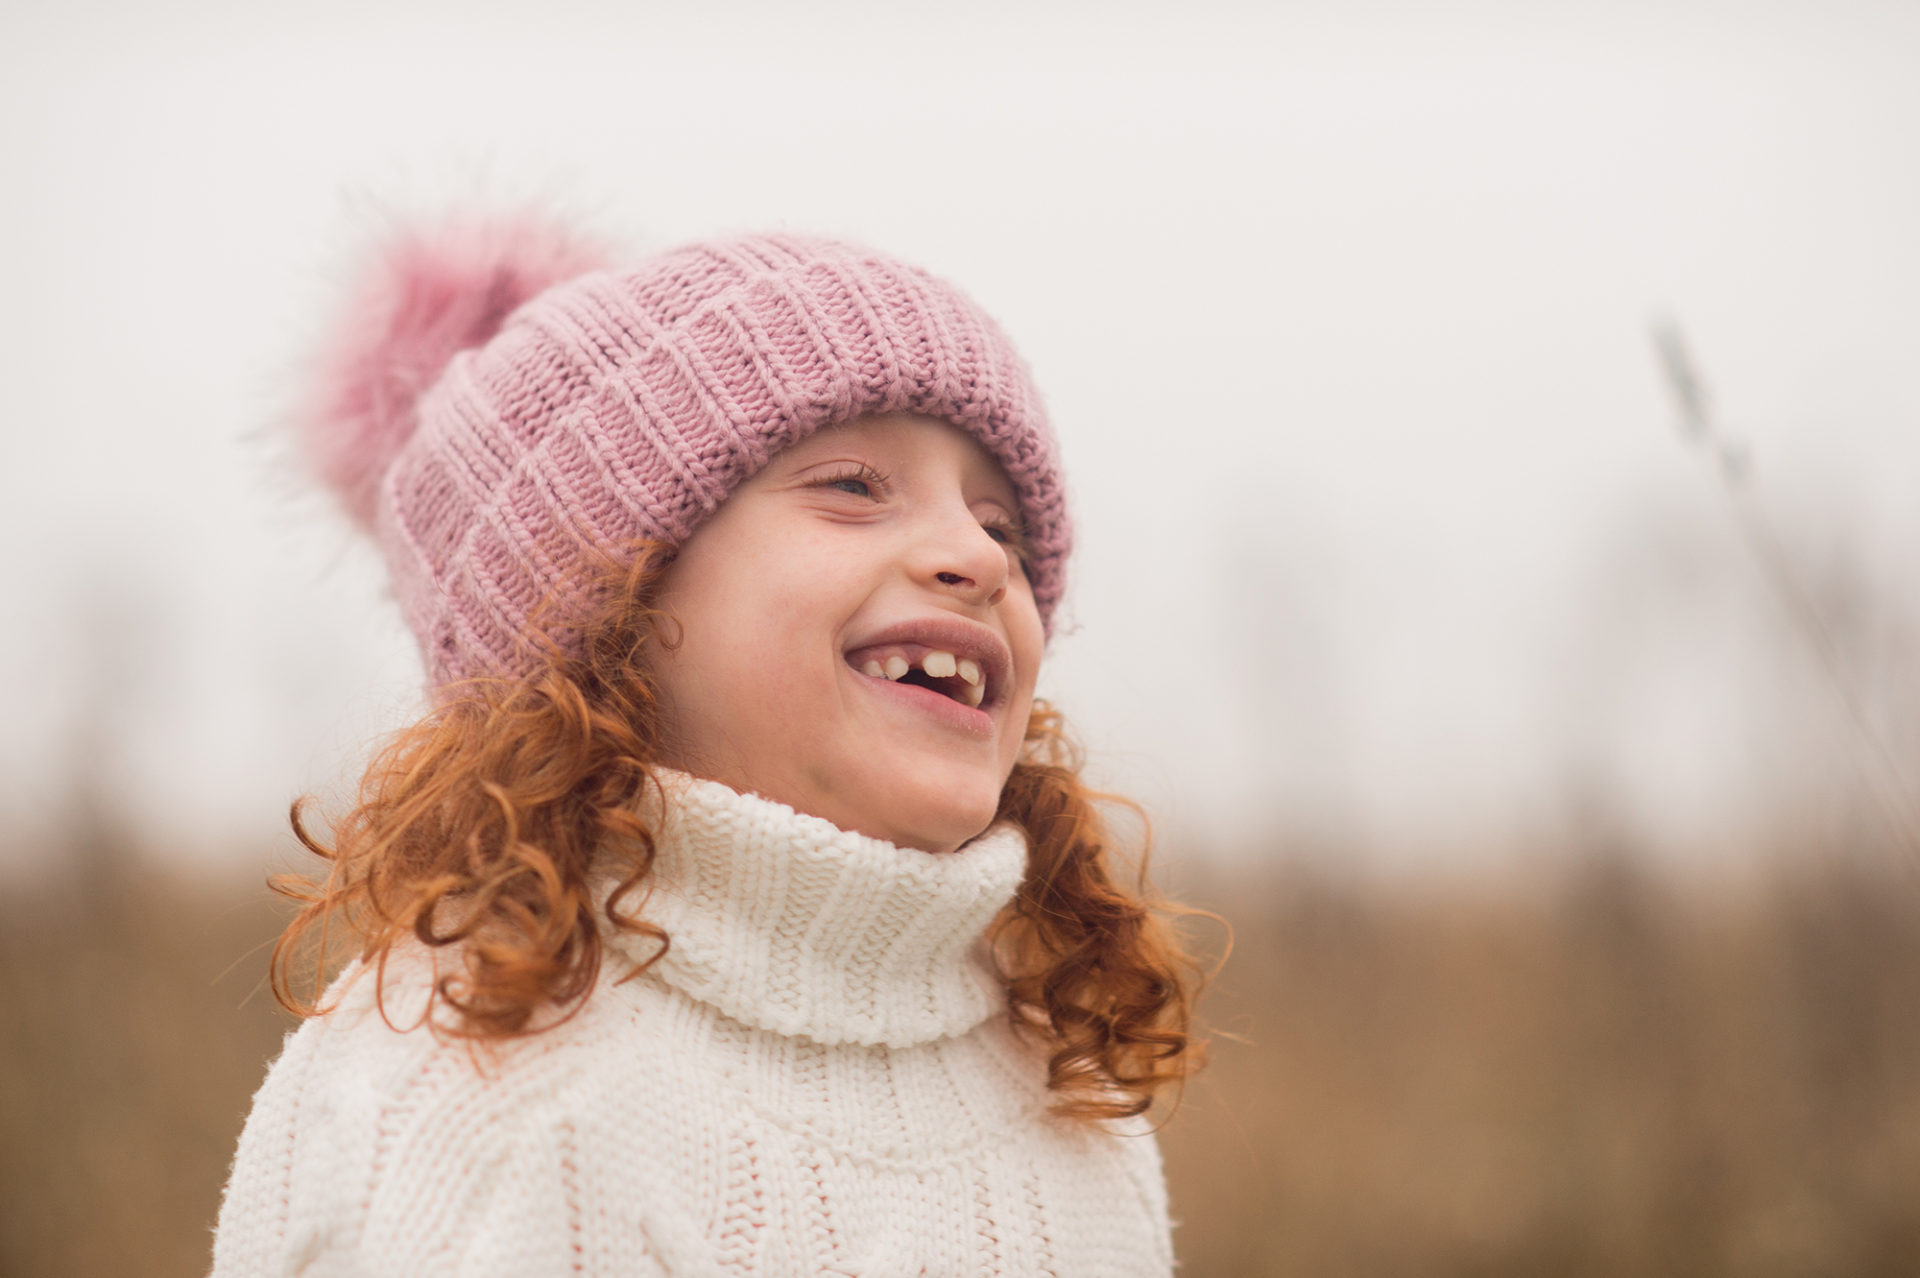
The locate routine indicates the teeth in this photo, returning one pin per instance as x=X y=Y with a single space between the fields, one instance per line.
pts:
x=938 y=665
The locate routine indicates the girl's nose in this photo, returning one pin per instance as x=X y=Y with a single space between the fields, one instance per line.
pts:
x=962 y=558
x=957 y=581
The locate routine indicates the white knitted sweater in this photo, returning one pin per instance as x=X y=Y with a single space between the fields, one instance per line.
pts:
x=819 y=1078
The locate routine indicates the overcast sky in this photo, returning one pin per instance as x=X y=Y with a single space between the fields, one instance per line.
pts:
x=1342 y=313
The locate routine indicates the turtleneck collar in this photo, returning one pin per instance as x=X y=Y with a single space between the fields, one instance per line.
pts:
x=788 y=923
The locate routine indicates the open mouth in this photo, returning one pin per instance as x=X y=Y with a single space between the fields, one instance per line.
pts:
x=957 y=678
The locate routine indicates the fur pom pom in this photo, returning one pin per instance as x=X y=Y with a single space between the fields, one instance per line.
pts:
x=432 y=294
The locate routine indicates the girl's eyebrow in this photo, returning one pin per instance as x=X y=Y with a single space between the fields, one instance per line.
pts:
x=1008 y=509
x=838 y=457
x=801 y=456
x=830 y=444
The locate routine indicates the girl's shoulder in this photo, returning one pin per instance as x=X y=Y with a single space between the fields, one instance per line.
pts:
x=384 y=1073
x=385 y=1031
x=376 y=1121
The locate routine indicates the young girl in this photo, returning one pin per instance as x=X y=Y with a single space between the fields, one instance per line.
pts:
x=736 y=909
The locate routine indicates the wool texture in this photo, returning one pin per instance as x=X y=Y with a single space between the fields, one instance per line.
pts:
x=500 y=417
x=820 y=1077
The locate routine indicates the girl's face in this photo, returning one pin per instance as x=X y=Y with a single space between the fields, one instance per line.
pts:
x=857 y=636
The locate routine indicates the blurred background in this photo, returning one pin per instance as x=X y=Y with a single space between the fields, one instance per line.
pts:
x=1496 y=450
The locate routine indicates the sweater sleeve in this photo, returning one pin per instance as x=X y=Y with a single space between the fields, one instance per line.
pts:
x=373 y=1153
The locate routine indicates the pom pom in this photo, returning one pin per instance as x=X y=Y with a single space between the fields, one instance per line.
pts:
x=432 y=294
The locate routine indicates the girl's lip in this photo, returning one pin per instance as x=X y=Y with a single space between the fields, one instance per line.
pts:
x=937 y=706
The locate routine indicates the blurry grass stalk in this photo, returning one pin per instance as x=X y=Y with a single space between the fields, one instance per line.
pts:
x=1732 y=463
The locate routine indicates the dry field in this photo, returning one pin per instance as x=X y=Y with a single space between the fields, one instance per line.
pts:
x=1599 y=1074
x=1602 y=1074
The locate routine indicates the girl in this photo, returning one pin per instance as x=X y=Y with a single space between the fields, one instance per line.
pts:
x=736 y=909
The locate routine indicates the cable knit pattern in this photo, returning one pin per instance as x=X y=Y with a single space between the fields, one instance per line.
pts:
x=818 y=1079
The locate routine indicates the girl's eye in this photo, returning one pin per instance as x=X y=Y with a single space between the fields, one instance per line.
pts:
x=1010 y=536
x=860 y=481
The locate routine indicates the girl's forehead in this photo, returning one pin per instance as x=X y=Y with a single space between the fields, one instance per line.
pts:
x=881 y=429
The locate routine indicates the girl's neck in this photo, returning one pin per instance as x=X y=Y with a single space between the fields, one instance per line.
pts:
x=787 y=923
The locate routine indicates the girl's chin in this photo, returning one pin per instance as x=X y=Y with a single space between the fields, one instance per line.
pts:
x=939 y=826
x=933 y=806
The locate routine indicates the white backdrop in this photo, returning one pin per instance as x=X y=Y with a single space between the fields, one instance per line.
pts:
x=1343 y=319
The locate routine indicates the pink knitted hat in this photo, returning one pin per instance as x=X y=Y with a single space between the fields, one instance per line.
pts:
x=494 y=408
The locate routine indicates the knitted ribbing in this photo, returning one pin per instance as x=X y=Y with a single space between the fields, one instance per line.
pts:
x=658 y=1132
x=627 y=404
x=788 y=923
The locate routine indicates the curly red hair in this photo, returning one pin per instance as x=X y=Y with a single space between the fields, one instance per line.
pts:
x=483 y=825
